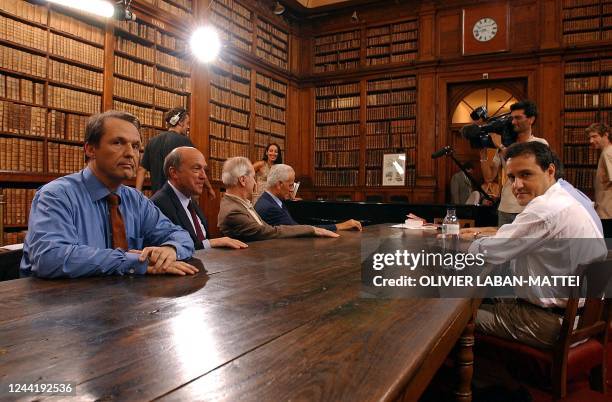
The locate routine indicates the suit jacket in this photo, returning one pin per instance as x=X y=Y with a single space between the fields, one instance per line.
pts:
x=461 y=187
x=236 y=221
x=274 y=215
x=167 y=201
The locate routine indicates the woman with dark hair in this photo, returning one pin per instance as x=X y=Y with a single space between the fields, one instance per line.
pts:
x=272 y=156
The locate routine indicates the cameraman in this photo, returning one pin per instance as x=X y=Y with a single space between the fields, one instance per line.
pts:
x=523 y=114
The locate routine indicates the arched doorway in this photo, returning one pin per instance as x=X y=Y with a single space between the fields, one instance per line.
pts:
x=463 y=99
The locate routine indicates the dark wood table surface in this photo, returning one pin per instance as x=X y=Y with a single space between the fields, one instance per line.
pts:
x=281 y=320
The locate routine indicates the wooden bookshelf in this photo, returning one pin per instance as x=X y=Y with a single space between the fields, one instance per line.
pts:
x=392 y=43
x=337 y=134
x=272 y=44
x=588 y=99
x=234 y=23
x=270 y=114
x=337 y=51
x=586 y=21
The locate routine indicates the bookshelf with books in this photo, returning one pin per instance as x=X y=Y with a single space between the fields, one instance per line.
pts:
x=234 y=23
x=337 y=51
x=390 y=125
x=393 y=43
x=230 y=113
x=270 y=114
x=586 y=21
x=337 y=135
x=272 y=44
x=588 y=99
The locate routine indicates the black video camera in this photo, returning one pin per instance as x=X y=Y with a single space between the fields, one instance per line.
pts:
x=479 y=135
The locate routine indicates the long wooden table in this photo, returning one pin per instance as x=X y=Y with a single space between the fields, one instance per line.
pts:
x=281 y=320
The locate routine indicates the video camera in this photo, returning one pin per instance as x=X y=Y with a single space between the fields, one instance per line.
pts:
x=479 y=135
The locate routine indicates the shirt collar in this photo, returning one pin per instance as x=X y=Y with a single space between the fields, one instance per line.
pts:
x=97 y=190
x=182 y=197
x=275 y=198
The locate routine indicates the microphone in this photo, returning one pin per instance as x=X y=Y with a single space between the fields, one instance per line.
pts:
x=441 y=152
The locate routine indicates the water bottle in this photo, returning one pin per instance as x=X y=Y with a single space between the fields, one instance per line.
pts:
x=450 y=224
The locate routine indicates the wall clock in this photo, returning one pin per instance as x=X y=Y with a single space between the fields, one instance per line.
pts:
x=485 y=29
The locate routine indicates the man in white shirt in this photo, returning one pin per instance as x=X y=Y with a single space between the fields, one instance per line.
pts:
x=556 y=232
x=523 y=114
x=184 y=167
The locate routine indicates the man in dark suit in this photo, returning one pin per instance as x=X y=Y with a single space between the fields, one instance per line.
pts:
x=279 y=188
x=184 y=167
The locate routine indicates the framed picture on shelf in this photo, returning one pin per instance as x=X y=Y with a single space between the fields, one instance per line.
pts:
x=394 y=170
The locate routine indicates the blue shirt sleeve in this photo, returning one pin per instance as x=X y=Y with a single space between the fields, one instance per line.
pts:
x=53 y=250
x=158 y=230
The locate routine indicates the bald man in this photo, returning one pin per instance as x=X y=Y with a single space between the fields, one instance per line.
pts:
x=184 y=167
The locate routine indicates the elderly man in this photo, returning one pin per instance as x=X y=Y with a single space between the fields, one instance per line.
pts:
x=89 y=223
x=184 y=167
x=533 y=247
x=238 y=218
x=279 y=187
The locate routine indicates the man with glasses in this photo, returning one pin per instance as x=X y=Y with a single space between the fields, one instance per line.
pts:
x=524 y=114
x=279 y=187
x=237 y=217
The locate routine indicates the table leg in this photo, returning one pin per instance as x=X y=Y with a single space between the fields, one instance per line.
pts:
x=465 y=364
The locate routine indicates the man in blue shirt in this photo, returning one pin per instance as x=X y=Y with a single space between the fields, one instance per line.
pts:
x=280 y=187
x=88 y=223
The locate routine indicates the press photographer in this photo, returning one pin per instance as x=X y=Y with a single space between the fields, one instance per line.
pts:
x=499 y=133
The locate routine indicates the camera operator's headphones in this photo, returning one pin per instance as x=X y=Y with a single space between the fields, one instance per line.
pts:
x=173 y=121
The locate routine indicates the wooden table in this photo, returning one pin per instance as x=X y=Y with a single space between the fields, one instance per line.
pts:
x=281 y=320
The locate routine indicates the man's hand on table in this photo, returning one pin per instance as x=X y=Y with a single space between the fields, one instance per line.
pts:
x=325 y=233
x=227 y=242
x=159 y=257
x=175 y=268
x=475 y=233
x=348 y=225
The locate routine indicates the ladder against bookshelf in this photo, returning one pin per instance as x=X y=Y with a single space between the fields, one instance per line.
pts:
x=337 y=51
x=586 y=21
x=230 y=112
x=588 y=99
x=390 y=125
x=337 y=135
x=392 y=43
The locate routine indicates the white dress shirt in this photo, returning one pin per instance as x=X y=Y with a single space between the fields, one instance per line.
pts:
x=185 y=203
x=529 y=243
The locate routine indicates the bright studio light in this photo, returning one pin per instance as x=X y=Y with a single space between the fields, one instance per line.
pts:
x=205 y=44
x=102 y=8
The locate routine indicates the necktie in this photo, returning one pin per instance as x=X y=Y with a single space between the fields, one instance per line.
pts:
x=196 y=222
x=117 y=225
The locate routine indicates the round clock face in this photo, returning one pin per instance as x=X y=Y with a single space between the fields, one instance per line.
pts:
x=485 y=29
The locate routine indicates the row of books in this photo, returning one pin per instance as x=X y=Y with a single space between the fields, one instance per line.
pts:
x=578 y=12
x=133 y=90
x=391 y=127
x=580 y=119
x=338 y=90
x=583 y=66
x=374 y=177
x=229 y=116
x=391 y=112
x=391 y=141
x=587 y=101
x=339 y=116
x=582 y=24
x=580 y=155
x=339 y=130
x=139 y=71
x=65 y=158
x=146 y=133
x=226 y=82
x=269 y=126
x=127 y=46
x=390 y=84
x=338 y=103
x=393 y=28
x=342 y=159
x=271 y=98
x=271 y=55
x=24 y=34
x=581 y=178
x=337 y=144
x=262 y=140
x=336 y=57
x=336 y=178
x=575 y=135
x=270 y=83
x=170 y=61
x=17 y=205
x=231 y=32
x=277 y=36
x=233 y=10
x=216 y=169
x=23 y=62
x=15 y=237
x=406 y=96
x=325 y=68
x=172 y=9
x=582 y=83
x=146 y=115
x=137 y=28
x=64 y=98
x=337 y=38
x=77 y=76
x=227 y=149
x=228 y=98
x=269 y=112
x=22 y=119
x=75 y=27
x=21 y=89
x=168 y=100
x=594 y=36
x=223 y=131
x=28 y=11
x=67 y=126
x=21 y=155
x=173 y=81
x=392 y=38
x=78 y=51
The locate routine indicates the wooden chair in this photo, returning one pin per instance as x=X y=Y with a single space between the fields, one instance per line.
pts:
x=463 y=223
x=563 y=362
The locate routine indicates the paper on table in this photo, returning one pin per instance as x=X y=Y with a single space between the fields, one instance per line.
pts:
x=404 y=226
x=12 y=247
